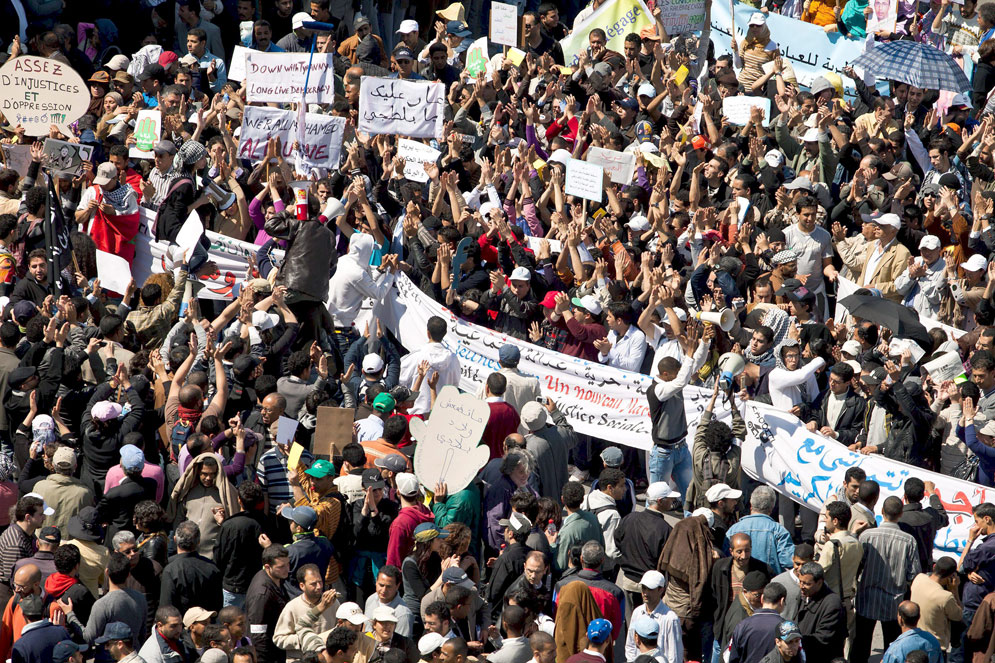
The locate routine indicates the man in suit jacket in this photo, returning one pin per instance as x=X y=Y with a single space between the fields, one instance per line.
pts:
x=720 y=578
x=885 y=259
x=841 y=413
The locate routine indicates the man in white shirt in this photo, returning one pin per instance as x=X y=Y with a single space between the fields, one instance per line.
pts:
x=440 y=360
x=923 y=284
x=625 y=346
x=668 y=632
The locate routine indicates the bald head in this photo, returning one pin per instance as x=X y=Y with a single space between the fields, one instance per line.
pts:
x=352 y=75
x=27 y=580
x=514 y=441
x=273 y=407
x=191 y=396
x=739 y=538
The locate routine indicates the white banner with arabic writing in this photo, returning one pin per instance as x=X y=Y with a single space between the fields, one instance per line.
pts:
x=806 y=46
x=402 y=108
x=229 y=254
x=611 y=404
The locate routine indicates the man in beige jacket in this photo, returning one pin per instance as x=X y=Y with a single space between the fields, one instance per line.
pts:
x=286 y=635
x=885 y=259
x=62 y=491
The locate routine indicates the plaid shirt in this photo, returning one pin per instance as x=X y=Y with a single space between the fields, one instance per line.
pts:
x=154 y=322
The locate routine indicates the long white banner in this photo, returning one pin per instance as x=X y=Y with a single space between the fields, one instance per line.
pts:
x=280 y=77
x=807 y=47
x=402 y=108
x=611 y=404
x=322 y=135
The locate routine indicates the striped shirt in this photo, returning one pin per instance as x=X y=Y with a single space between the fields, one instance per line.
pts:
x=891 y=562
x=160 y=182
x=272 y=475
x=15 y=544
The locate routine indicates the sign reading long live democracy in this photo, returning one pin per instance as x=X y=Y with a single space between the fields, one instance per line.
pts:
x=280 y=77
x=806 y=46
x=611 y=404
x=402 y=108
x=322 y=135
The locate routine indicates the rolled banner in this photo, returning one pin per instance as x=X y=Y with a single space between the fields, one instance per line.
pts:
x=300 y=198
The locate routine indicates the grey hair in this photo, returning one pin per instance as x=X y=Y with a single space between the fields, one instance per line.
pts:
x=122 y=537
x=592 y=555
x=813 y=569
x=762 y=500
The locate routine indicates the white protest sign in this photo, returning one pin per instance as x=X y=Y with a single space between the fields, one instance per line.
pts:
x=39 y=92
x=680 y=16
x=236 y=72
x=17 y=157
x=415 y=156
x=504 y=24
x=947 y=366
x=285 y=429
x=113 y=271
x=449 y=449
x=280 y=77
x=190 y=233
x=737 y=109
x=620 y=165
x=584 y=180
x=618 y=18
x=899 y=345
x=148 y=129
x=402 y=108
x=323 y=134
x=883 y=17
x=65 y=158
x=476 y=57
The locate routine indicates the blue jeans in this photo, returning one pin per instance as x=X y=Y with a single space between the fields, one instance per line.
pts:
x=230 y=598
x=672 y=463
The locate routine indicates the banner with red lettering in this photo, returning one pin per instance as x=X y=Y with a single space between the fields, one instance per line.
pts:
x=322 y=136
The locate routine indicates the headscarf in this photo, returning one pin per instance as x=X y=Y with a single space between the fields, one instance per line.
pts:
x=190 y=152
x=576 y=608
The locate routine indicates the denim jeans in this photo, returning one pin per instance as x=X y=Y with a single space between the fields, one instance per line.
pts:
x=672 y=463
x=230 y=598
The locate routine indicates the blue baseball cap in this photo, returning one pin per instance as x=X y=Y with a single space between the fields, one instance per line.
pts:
x=646 y=627
x=115 y=631
x=509 y=354
x=788 y=631
x=458 y=28
x=65 y=649
x=132 y=458
x=599 y=631
x=304 y=516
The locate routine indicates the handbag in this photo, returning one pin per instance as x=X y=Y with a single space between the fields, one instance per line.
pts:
x=967 y=469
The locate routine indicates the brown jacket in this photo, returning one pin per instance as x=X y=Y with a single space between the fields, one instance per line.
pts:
x=892 y=264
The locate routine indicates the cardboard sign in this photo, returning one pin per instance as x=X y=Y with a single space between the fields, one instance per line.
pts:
x=737 y=109
x=504 y=24
x=190 y=232
x=148 y=129
x=448 y=449
x=17 y=157
x=619 y=165
x=280 y=77
x=680 y=16
x=64 y=158
x=584 y=180
x=333 y=431
x=883 y=17
x=39 y=92
x=401 y=108
x=415 y=156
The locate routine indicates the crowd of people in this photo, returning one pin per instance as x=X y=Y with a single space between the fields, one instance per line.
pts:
x=155 y=511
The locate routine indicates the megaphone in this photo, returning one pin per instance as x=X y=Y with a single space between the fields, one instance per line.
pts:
x=730 y=365
x=221 y=197
x=725 y=318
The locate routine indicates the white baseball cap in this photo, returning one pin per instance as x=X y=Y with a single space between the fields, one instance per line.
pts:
x=975 y=263
x=351 y=612
x=407 y=484
x=774 y=158
x=589 y=303
x=721 y=491
x=407 y=27
x=659 y=490
x=46 y=509
x=930 y=242
x=521 y=274
x=889 y=219
x=300 y=18
x=639 y=223
x=653 y=579
x=560 y=156
x=757 y=18
x=429 y=642
x=372 y=363
x=384 y=614
x=811 y=136
x=851 y=347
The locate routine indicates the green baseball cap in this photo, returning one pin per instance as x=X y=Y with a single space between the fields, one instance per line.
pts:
x=320 y=469
x=384 y=402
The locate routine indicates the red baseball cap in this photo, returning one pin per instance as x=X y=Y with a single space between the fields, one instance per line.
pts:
x=549 y=301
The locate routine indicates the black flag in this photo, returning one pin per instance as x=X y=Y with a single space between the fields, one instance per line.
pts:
x=57 y=240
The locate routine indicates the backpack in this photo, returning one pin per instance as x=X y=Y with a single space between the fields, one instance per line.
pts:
x=178 y=437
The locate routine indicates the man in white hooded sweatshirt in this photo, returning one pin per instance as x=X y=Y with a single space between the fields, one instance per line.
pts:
x=440 y=360
x=352 y=282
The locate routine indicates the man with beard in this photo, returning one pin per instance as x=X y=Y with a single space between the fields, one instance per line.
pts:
x=312 y=585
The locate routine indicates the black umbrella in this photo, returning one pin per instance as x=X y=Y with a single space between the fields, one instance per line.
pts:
x=901 y=320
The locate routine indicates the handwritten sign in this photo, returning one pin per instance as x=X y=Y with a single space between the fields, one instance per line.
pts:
x=323 y=134
x=402 y=108
x=280 y=77
x=504 y=24
x=148 y=128
x=620 y=165
x=737 y=109
x=39 y=92
x=415 y=156
x=947 y=366
x=584 y=180
x=680 y=16
x=448 y=449
x=64 y=158
x=617 y=18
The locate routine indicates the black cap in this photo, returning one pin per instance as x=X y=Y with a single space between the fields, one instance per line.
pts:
x=154 y=70
x=20 y=375
x=50 y=535
x=244 y=365
x=788 y=286
x=950 y=181
x=32 y=606
x=372 y=479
